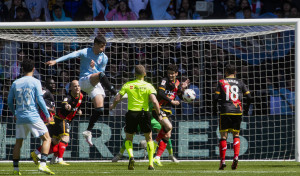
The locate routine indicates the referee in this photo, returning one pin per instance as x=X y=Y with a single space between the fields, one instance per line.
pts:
x=139 y=94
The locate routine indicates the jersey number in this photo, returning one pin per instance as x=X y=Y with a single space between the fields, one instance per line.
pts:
x=234 y=90
x=24 y=97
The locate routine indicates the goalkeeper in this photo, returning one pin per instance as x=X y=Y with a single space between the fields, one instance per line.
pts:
x=155 y=126
x=92 y=66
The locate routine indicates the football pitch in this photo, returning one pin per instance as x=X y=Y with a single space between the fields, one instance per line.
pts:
x=205 y=168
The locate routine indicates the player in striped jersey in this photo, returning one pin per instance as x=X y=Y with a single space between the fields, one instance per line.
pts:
x=230 y=91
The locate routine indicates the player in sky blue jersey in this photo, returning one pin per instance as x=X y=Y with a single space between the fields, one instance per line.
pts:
x=27 y=93
x=92 y=66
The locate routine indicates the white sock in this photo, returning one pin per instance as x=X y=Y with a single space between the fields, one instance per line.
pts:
x=43 y=164
x=157 y=157
x=60 y=159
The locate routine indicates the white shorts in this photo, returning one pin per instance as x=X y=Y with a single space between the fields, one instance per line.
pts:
x=37 y=129
x=88 y=88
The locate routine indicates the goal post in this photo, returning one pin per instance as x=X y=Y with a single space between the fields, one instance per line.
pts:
x=264 y=51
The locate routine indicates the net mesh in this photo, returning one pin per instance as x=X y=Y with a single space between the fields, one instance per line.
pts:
x=263 y=55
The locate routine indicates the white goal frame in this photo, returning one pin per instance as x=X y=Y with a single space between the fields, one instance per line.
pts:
x=185 y=23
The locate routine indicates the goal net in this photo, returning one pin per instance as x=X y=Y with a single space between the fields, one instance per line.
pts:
x=263 y=53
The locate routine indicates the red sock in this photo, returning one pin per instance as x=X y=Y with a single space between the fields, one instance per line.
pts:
x=55 y=148
x=40 y=149
x=236 y=146
x=161 y=148
x=160 y=135
x=223 y=148
x=61 y=149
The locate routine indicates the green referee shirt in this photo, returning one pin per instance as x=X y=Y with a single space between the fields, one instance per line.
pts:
x=138 y=92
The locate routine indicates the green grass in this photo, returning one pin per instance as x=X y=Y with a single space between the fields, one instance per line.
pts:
x=209 y=168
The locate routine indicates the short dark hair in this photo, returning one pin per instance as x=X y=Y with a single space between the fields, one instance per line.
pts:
x=27 y=65
x=100 y=39
x=230 y=69
x=140 y=70
x=172 y=67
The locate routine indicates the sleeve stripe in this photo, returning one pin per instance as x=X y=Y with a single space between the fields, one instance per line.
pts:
x=217 y=92
x=162 y=88
x=246 y=92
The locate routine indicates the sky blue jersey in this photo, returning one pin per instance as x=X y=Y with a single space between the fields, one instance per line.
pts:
x=27 y=91
x=86 y=56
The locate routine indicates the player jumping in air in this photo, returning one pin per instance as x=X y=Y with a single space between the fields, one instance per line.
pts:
x=230 y=91
x=168 y=89
x=92 y=66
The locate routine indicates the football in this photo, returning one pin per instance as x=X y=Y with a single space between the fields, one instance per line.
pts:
x=189 y=95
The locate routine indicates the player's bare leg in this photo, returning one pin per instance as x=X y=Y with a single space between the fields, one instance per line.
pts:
x=236 y=148
x=44 y=156
x=16 y=156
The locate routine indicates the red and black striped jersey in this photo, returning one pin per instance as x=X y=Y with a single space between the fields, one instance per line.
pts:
x=231 y=91
x=75 y=103
x=167 y=91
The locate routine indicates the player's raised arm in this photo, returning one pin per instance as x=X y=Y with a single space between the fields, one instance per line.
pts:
x=72 y=55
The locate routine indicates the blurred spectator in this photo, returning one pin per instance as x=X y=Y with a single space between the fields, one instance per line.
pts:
x=3 y=12
x=21 y=15
x=143 y=15
x=287 y=94
x=121 y=12
x=73 y=6
x=15 y=67
x=188 y=7
x=98 y=11
x=12 y=13
x=247 y=13
x=110 y=5
x=60 y=3
x=230 y=7
x=159 y=9
x=294 y=13
x=64 y=83
x=256 y=6
x=286 y=7
x=59 y=15
x=36 y=7
x=137 y=5
x=278 y=12
x=243 y=4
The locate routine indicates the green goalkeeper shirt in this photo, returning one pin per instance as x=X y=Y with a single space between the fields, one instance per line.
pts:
x=138 y=92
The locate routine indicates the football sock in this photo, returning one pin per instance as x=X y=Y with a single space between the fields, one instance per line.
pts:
x=236 y=146
x=169 y=147
x=61 y=148
x=129 y=148
x=150 y=150
x=44 y=157
x=160 y=135
x=104 y=81
x=223 y=148
x=16 y=164
x=123 y=148
x=97 y=112
x=161 y=148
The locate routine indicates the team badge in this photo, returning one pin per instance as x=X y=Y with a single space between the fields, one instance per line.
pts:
x=163 y=82
x=131 y=87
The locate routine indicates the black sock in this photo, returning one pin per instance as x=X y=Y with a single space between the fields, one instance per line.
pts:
x=16 y=162
x=94 y=118
x=104 y=81
x=44 y=157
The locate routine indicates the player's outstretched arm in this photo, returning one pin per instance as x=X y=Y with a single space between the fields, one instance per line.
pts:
x=51 y=62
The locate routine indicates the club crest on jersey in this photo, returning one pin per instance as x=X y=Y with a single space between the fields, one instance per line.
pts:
x=163 y=82
x=131 y=87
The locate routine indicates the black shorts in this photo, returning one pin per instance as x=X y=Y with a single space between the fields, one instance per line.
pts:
x=135 y=118
x=230 y=123
x=61 y=127
x=166 y=114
